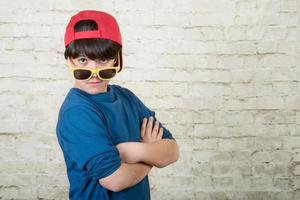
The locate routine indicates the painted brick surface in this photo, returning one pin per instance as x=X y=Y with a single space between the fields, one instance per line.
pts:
x=223 y=75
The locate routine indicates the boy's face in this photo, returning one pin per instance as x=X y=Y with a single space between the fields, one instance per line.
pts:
x=94 y=85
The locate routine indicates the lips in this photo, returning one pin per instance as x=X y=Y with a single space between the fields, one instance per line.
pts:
x=93 y=83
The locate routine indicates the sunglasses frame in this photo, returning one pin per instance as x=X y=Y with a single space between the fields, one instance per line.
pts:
x=96 y=71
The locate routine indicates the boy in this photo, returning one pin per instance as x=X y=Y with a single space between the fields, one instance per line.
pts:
x=109 y=138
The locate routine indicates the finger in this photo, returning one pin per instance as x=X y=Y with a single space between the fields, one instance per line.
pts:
x=149 y=126
x=143 y=128
x=160 y=134
x=155 y=129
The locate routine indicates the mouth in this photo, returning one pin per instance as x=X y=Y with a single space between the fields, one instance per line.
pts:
x=94 y=82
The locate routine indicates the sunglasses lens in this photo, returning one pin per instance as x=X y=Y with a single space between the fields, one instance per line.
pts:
x=82 y=74
x=107 y=73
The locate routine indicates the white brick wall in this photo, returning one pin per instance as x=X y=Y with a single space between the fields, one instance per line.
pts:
x=222 y=74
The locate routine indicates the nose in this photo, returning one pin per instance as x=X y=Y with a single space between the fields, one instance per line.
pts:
x=93 y=64
x=94 y=75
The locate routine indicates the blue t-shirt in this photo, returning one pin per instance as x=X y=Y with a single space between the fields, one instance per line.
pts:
x=88 y=129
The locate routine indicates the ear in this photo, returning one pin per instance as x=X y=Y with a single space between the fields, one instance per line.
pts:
x=117 y=61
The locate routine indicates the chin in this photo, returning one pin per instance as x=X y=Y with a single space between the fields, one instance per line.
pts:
x=96 y=90
x=92 y=89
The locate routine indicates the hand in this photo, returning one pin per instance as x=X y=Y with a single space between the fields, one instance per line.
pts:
x=148 y=134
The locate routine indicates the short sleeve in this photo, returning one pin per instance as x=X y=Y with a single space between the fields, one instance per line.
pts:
x=84 y=138
x=144 y=111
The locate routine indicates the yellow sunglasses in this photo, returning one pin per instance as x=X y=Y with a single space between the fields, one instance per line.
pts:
x=104 y=73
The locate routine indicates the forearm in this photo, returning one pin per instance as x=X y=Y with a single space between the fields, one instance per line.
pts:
x=160 y=153
x=126 y=176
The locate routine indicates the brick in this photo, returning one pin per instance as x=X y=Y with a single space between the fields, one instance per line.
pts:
x=296 y=181
x=247 y=5
x=202 y=170
x=288 y=6
x=284 y=19
x=255 y=32
x=212 y=19
x=209 y=90
x=284 y=195
x=222 y=170
x=242 y=76
x=284 y=88
x=288 y=47
x=137 y=5
x=233 y=118
x=267 y=170
x=9 y=191
x=171 y=182
x=296 y=155
x=282 y=183
x=46 y=180
x=284 y=75
x=202 y=184
x=247 y=19
x=291 y=142
x=52 y=192
x=182 y=194
x=267 y=46
x=274 y=33
x=235 y=33
x=237 y=62
x=241 y=184
x=226 y=183
x=237 y=144
x=275 y=117
x=261 y=157
x=181 y=130
x=17 y=179
x=276 y=61
x=211 y=156
x=185 y=144
x=211 y=102
x=268 y=143
x=296 y=170
x=221 y=75
x=170 y=18
x=292 y=34
x=211 y=131
x=261 y=183
x=200 y=144
x=271 y=6
x=281 y=157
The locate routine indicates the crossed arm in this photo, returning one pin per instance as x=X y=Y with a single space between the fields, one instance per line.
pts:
x=138 y=158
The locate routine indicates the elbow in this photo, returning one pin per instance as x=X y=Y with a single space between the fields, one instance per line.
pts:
x=116 y=189
x=109 y=186
x=114 y=186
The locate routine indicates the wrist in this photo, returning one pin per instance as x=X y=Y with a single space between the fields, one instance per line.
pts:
x=141 y=152
x=144 y=153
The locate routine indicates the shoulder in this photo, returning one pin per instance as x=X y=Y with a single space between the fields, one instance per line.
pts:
x=76 y=99
x=77 y=107
x=77 y=121
x=131 y=100
x=124 y=92
x=79 y=116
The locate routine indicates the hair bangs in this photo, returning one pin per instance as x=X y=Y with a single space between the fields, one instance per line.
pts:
x=93 y=48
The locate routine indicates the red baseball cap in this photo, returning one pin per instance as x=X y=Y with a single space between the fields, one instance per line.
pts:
x=107 y=27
